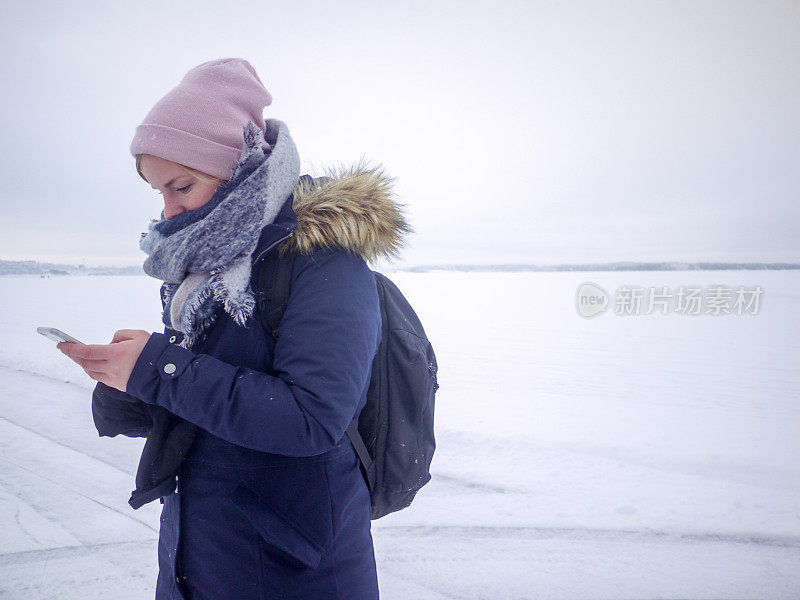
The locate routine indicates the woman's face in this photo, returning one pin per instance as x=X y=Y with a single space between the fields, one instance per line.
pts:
x=182 y=191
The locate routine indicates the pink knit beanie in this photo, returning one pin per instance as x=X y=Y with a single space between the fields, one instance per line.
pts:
x=200 y=122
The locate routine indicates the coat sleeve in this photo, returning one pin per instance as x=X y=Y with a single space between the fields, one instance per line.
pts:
x=328 y=337
x=116 y=413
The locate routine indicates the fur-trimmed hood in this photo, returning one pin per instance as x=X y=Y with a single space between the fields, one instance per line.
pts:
x=350 y=207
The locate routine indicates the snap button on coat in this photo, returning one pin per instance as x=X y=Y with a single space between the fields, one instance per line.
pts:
x=169 y=368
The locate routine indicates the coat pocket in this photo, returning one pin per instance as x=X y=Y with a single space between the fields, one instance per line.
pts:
x=276 y=530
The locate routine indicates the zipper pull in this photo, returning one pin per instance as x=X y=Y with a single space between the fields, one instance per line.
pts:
x=262 y=301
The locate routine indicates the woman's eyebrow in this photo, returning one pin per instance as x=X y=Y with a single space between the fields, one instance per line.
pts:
x=169 y=183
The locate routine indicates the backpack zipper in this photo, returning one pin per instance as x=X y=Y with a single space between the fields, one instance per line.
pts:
x=272 y=245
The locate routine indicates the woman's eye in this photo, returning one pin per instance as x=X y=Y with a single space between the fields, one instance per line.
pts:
x=184 y=189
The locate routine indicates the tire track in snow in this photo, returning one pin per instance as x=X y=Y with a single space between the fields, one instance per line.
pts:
x=38 y=418
x=42 y=375
x=475 y=486
x=78 y=551
x=590 y=534
x=63 y=444
x=130 y=517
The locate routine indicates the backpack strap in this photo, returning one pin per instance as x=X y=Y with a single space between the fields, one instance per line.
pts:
x=273 y=281
x=361 y=449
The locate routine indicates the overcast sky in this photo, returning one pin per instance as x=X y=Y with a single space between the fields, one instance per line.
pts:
x=539 y=132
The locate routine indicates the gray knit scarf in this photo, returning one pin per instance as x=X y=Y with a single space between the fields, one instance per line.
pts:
x=204 y=255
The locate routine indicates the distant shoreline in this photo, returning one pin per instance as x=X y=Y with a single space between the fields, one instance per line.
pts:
x=30 y=267
x=613 y=266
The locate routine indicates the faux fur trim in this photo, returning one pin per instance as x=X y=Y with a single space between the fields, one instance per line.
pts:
x=352 y=207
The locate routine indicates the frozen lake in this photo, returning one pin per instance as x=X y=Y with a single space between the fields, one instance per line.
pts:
x=619 y=456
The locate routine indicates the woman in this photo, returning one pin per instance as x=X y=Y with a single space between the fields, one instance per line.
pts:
x=270 y=501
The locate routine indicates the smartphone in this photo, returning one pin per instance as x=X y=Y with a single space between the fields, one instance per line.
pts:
x=56 y=335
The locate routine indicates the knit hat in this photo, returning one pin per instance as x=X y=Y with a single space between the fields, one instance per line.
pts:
x=200 y=122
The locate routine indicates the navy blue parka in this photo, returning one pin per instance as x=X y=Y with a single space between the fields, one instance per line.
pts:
x=270 y=501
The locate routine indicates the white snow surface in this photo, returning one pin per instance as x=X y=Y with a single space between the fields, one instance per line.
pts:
x=650 y=456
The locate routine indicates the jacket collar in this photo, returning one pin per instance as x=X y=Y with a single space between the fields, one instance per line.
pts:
x=350 y=207
x=284 y=225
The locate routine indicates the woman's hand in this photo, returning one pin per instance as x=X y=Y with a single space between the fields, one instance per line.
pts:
x=112 y=363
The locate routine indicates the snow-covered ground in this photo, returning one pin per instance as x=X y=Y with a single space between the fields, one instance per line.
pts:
x=649 y=456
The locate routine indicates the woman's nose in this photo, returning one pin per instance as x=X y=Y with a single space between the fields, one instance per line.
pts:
x=171 y=209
